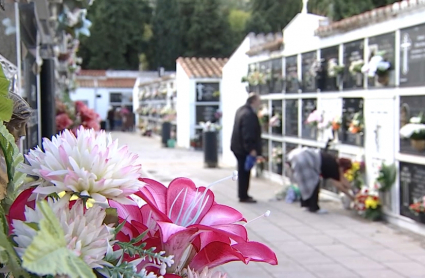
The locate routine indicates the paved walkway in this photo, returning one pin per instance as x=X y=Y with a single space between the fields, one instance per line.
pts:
x=336 y=245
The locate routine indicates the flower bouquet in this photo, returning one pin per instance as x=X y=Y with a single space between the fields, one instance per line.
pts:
x=314 y=119
x=92 y=214
x=168 y=114
x=336 y=123
x=255 y=78
x=334 y=69
x=275 y=121
x=415 y=131
x=71 y=115
x=355 y=174
x=378 y=66
x=387 y=177
x=418 y=208
x=368 y=204
x=356 y=125
x=356 y=67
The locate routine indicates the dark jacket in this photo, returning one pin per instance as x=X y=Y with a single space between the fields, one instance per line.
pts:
x=246 y=134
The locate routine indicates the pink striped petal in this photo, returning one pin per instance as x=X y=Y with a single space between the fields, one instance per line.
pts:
x=221 y=214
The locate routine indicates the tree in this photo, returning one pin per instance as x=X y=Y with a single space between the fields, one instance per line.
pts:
x=237 y=22
x=271 y=16
x=120 y=33
x=343 y=8
x=208 y=35
x=167 y=35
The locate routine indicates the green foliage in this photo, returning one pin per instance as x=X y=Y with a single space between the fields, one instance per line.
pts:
x=271 y=16
x=120 y=33
x=167 y=36
x=6 y=104
x=387 y=177
x=8 y=254
x=207 y=36
x=374 y=214
x=48 y=253
x=13 y=158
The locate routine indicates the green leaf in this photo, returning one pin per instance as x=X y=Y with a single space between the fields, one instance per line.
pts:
x=8 y=254
x=6 y=104
x=48 y=253
x=13 y=158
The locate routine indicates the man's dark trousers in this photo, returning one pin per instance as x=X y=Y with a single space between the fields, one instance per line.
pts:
x=243 y=178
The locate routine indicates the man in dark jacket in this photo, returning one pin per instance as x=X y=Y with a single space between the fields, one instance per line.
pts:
x=246 y=140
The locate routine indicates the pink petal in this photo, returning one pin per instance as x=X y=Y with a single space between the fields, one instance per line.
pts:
x=170 y=229
x=221 y=214
x=215 y=254
x=234 y=231
x=154 y=193
x=257 y=252
x=176 y=195
x=207 y=238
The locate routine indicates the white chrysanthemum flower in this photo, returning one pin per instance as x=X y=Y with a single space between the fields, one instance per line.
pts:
x=409 y=130
x=85 y=233
x=89 y=165
x=206 y=273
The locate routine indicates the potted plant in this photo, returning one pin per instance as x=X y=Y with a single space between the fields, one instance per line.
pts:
x=356 y=71
x=378 y=67
x=415 y=131
x=259 y=166
x=335 y=70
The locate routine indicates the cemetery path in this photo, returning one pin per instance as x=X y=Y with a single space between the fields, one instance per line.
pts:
x=338 y=244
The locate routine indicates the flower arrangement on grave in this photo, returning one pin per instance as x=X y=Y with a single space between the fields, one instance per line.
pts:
x=368 y=204
x=356 y=67
x=355 y=174
x=334 y=69
x=71 y=115
x=336 y=123
x=216 y=94
x=418 y=207
x=386 y=178
x=415 y=131
x=378 y=66
x=276 y=120
x=255 y=78
x=167 y=114
x=210 y=127
x=314 y=119
x=277 y=155
x=81 y=218
x=356 y=124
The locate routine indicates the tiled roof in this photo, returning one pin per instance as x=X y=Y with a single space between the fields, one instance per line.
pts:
x=202 y=67
x=107 y=83
x=92 y=73
x=370 y=17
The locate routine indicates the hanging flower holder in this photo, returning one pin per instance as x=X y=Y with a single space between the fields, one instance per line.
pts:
x=383 y=78
x=359 y=79
x=418 y=145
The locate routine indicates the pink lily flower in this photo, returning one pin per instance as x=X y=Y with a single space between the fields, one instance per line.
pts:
x=191 y=226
